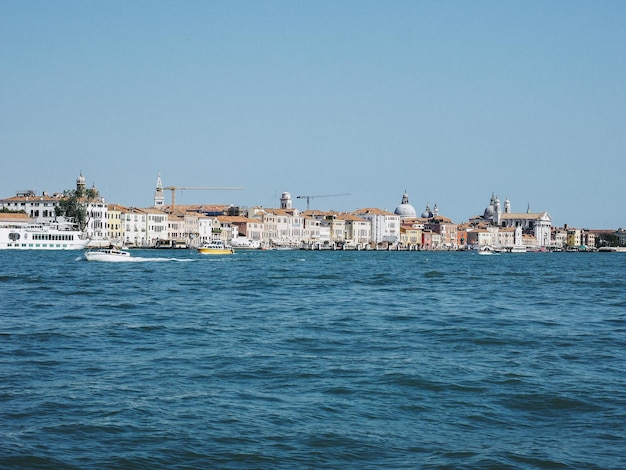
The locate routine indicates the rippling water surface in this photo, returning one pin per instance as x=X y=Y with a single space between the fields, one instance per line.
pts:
x=313 y=360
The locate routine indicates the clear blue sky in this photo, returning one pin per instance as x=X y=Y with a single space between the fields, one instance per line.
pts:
x=449 y=100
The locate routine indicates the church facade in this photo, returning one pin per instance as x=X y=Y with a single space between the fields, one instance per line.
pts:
x=537 y=224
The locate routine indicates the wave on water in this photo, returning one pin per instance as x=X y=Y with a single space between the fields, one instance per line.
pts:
x=138 y=259
x=141 y=259
x=313 y=360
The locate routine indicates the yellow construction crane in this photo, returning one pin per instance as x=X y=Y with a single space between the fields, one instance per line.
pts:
x=191 y=188
x=308 y=198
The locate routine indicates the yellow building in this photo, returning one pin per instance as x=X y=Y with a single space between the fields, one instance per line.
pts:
x=410 y=237
x=574 y=237
x=115 y=227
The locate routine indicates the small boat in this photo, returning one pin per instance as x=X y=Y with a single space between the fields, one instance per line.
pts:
x=108 y=254
x=487 y=250
x=243 y=243
x=216 y=247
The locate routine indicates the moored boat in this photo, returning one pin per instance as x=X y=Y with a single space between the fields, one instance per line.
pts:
x=27 y=235
x=243 y=243
x=215 y=247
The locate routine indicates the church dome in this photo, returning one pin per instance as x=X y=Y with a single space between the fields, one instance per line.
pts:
x=405 y=210
x=490 y=210
x=427 y=214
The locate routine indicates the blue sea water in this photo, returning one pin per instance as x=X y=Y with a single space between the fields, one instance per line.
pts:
x=302 y=359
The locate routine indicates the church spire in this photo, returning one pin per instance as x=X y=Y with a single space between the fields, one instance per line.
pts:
x=159 y=198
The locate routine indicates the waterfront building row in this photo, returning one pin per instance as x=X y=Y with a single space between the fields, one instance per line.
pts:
x=163 y=225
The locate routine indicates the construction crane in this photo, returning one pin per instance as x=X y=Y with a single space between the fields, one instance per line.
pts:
x=191 y=188
x=308 y=198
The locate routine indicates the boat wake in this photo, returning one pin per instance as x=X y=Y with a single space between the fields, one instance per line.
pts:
x=140 y=259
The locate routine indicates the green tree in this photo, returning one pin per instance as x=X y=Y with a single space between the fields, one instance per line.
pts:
x=607 y=239
x=74 y=204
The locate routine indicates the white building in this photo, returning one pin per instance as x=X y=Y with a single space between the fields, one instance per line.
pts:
x=134 y=223
x=385 y=226
x=97 y=215
x=177 y=228
x=281 y=226
x=43 y=208
x=156 y=226
x=480 y=237
x=40 y=208
x=208 y=227
x=537 y=224
x=329 y=222
x=192 y=229
x=358 y=230
x=311 y=232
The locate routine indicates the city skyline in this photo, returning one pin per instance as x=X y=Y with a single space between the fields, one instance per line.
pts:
x=449 y=101
x=165 y=193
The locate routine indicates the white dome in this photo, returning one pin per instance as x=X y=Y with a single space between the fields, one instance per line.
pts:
x=405 y=210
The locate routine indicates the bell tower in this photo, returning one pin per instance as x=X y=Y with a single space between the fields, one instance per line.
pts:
x=497 y=215
x=159 y=198
x=80 y=184
x=285 y=201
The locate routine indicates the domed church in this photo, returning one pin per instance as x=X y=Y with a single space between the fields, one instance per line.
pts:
x=405 y=210
x=430 y=213
x=536 y=223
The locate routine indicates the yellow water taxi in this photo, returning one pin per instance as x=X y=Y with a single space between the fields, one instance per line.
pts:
x=216 y=247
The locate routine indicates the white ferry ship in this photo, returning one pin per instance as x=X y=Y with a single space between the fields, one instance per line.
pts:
x=28 y=235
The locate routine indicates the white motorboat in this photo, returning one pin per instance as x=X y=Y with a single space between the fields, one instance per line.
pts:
x=487 y=250
x=108 y=254
x=243 y=243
